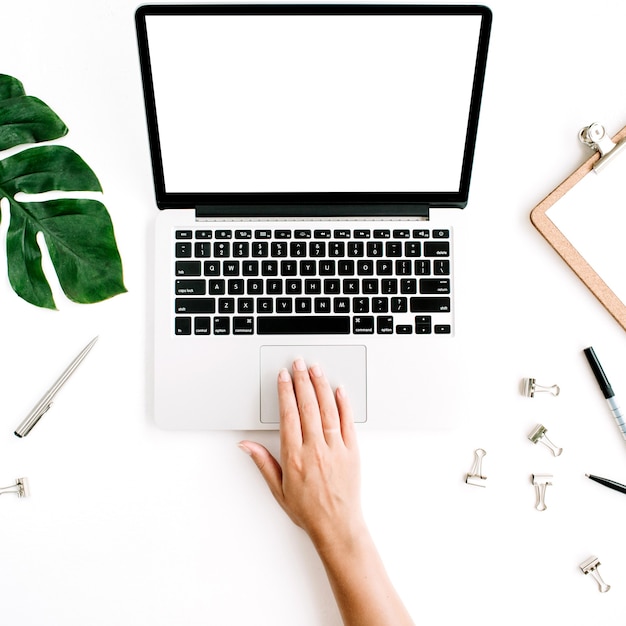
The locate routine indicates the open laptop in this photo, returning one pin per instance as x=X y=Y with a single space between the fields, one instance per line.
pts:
x=300 y=156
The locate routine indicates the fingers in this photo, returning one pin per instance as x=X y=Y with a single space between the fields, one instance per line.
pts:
x=308 y=407
x=346 y=418
x=328 y=410
x=306 y=398
x=268 y=466
x=290 y=427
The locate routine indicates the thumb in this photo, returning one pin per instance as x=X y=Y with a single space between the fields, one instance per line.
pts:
x=268 y=466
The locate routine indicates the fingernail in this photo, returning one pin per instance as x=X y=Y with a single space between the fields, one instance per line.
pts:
x=316 y=370
x=245 y=448
x=283 y=376
x=299 y=365
x=341 y=392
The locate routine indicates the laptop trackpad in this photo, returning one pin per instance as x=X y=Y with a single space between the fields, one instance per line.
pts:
x=343 y=365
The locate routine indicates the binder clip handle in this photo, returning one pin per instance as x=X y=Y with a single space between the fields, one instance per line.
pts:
x=20 y=488
x=530 y=388
x=541 y=482
x=590 y=566
x=538 y=435
x=475 y=476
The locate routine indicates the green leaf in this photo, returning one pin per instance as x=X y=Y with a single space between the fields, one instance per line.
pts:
x=25 y=119
x=77 y=232
x=87 y=273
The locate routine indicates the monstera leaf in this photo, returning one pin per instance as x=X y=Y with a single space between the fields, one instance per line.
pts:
x=77 y=231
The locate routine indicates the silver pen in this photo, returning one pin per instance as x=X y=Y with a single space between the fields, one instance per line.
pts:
x=46 y=402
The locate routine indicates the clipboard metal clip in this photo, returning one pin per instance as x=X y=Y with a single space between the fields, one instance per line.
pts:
x=596 y=138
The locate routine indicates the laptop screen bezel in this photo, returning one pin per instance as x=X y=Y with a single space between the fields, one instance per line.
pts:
x=307 y=203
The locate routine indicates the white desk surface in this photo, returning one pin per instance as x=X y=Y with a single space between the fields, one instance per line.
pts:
x=131 y=525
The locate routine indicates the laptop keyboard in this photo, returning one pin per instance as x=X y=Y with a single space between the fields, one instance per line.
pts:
x=278 y=281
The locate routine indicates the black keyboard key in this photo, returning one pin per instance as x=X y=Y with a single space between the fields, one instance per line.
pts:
x=443 y=329
x=441 y=267
x=230 y=268
x=341 y=305
x=303 y=305
x=346 y=267
x=436 y=248
x=204 y=234
x=322 y=305
x=412 y=248
x=423 y=324
x=202 y=326
x=403 y=233
x=421 y=233
x=336 y=248
x=341 y=234
x=203 y=249
x=211 y=268
x=190 y=287
x=430 y=305
x=223 y=234
x=382 y=234
x=188 y=268
x=263 y=234
x=302 y=234
x=422 y=267
x=183 y=250
x=434 y=285
x=260 y=249
x=183 y=234
x=250 y=268
x=321 y=234
x=441 y=234
x=404 y=329
x=241 y=249
x=243 y=234
x=363 y=325
x=265 y=305
x=303 y=325
x=243 y=326
x=284 y=305
x=226 y=305
x=217 y=286
x=384 y=325
x=221 y=325
x=182 y=326
x=269 y=268
x=221 y=249
x=362 y=234
x=195 y=305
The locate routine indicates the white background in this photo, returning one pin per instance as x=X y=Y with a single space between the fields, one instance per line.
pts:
x=133 y=526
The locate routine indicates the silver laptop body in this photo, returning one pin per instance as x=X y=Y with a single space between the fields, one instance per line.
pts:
x=305 y=158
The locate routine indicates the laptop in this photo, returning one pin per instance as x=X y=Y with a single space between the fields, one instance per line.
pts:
x=301 y=156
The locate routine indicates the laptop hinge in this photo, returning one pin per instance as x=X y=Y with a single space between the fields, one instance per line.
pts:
x=406 y=210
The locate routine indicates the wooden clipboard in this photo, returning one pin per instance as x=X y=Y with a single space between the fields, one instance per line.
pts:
x=559 y=241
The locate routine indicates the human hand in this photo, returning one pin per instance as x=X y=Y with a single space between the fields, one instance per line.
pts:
x=317 y=481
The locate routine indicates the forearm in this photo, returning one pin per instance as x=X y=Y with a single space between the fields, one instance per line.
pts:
x=362 y=589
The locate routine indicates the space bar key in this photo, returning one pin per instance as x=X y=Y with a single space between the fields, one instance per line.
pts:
x=303 y=325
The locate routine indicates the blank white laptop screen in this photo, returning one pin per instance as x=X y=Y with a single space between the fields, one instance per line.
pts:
x=292 y=103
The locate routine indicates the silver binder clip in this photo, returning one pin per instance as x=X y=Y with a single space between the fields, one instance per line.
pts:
x=541 y=481
x=21 y=488
x=475 y=476
x=530 y=388
x=596 y=138
x=538 y=435
x=590 y=566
